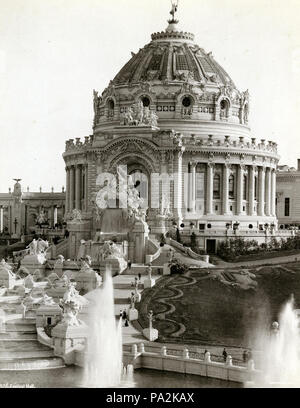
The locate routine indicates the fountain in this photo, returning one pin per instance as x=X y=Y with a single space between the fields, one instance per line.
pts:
x=103 y=360
x=280 y=358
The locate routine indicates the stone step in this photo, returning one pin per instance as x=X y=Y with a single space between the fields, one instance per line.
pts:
x=15 y=327
x=31 y=363
x=127 y=286
x=17 y=336
x=21 y=345
x=8 y=355
x=11 y=300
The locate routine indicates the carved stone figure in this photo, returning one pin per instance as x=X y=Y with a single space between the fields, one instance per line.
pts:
x=76 y=216
x=71 y=303
x=42 y=217
x=32 y=247
x=41 y=246
x=138 y=115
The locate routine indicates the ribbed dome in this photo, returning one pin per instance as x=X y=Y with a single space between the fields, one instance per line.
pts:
x=172 y=56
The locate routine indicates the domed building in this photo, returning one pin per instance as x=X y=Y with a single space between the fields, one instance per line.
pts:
x=175 y=119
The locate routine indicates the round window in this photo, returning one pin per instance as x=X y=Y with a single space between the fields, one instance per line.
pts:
x=186 y=101
x=146 y=101
x=250 y=226
x=208 y=225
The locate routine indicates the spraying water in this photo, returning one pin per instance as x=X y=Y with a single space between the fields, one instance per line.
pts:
x=280 y=358
x=103 y=364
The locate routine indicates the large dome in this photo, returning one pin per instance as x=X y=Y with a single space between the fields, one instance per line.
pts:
x=178 y=81
x=172 y=55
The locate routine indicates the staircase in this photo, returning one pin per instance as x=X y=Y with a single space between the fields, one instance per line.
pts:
x=19 y=347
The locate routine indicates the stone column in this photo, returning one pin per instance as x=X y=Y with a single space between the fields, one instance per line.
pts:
x=178 y=185
x=190 y=180
x=225 y=188
x=72 y=188
x=78 y=188
x=1 y=219
x=55 y=215
x=193 y=187
x=67 y=189
x=251 y=189
x=261 y=191
x=209 y=188
x=268 y=191
x=86 y=199
x=273 y=192
x=240 y=192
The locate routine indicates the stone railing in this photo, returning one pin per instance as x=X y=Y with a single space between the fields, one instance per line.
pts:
x=76 y=144
x=153 y=247
x=43 y=338
x=189 y=363
x=227 y=142
x=59 y=249
x=18 y=255
x=187 y=250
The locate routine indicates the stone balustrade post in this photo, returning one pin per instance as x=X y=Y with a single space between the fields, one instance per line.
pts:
x=134 y=349
x=207 y=358
x=228 y=361
x=163 y=351
x=141 y=348
x=185 y=353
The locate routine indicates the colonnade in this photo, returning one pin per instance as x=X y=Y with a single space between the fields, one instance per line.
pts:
x=76 y=187
x=260 y=185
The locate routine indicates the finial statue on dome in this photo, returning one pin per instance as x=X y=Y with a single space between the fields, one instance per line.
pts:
x=173 y=11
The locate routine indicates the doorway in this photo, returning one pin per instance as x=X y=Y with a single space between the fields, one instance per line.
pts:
x=211 y=246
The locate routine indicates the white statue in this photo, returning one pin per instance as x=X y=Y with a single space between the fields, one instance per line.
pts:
x=32 y=247
x=42 y=217
x=71 y=303
x=132 y=301
x=107 y=192
x=82 y=249
x=59 y=262
x=42 y=246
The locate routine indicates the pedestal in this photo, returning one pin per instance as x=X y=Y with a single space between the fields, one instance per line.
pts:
x=67 y=339
x=150 y=334
x=149 y=283
x=166 y=270
x=133 y=314
x=78 y=231
x=48 y=314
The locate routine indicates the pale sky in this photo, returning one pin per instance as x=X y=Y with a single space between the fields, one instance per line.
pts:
x=53 y=53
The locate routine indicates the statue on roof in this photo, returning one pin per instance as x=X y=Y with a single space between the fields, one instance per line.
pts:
x=173 y=11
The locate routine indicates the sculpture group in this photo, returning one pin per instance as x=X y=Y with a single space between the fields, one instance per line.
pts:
x=139 y=115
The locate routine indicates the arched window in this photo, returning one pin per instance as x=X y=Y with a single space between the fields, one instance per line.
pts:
x=231 y=186
x=216 y=191
x=146 y=101
x=245 y=188
x=110 y=108
x=224 y=107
